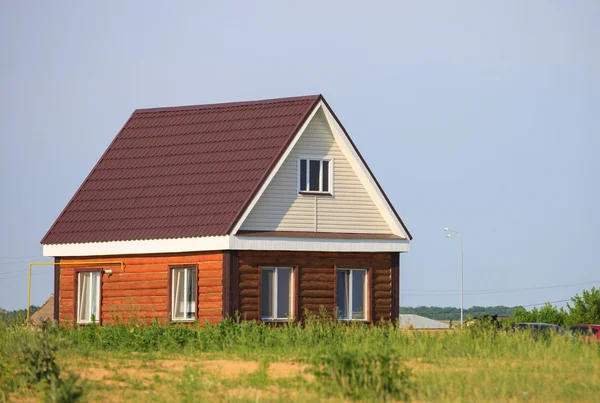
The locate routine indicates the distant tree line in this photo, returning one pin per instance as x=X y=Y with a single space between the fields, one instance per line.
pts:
x=16 y=316
x=452 y=313
x=582 y=309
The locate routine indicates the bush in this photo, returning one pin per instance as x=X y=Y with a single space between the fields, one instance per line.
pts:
x=39 y=367
x=360 y=374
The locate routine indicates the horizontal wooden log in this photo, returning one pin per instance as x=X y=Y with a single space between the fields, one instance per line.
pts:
x=123 y=317
x=246 y=269
x=136 y=285
x=209 y=283
x=383 y=280
x=383 y=294
x=206 y=312
x=210 y=275
x=313 y=300
x=383 y=302
x=249 y=284
x=159 y=292
x=248 y=307
x=210 y=305
x=249 y=301
x=162 y=307
x=210 y=298
x=317 y=293
x=249 y=277
x=326 y=278
x=134 y=300
x=66 y=293
x=210 y=290
x=383 y=287
x=249 y=292
x=315 y=285
x=315 y=270
x=66 y=302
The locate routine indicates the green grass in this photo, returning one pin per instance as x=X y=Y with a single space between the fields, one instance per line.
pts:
x=355 y=362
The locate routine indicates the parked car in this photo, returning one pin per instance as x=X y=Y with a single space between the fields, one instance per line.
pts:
x=589 y=333
x=539 y=329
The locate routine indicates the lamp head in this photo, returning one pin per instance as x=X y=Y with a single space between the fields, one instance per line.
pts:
x=445 y=228
x=448 y=235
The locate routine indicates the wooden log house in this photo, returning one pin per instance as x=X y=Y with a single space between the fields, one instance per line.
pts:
x=264 y=209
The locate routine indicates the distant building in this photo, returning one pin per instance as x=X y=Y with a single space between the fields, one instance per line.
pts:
x=409 y=320
x=46 y=312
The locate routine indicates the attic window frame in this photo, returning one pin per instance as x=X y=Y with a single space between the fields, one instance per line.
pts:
x=329 y=191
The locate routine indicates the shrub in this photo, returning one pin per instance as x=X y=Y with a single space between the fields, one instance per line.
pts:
x=360 y=374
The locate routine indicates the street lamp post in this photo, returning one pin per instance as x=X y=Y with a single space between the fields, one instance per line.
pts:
x=461 y=269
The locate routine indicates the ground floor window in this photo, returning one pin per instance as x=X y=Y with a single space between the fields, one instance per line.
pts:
x=351 y=295
x=183 y=293
x=88 y=296
x=276 y=293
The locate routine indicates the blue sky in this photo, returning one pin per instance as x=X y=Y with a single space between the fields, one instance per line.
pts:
x=481 y=116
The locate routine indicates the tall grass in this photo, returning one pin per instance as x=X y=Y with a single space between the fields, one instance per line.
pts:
x=355 y=361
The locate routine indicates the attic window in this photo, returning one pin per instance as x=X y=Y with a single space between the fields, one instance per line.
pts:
x=314 y=175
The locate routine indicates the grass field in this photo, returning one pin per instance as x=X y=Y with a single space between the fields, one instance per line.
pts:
x=323 y=361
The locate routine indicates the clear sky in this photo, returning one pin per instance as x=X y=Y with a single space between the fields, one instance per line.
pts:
x=481 y=116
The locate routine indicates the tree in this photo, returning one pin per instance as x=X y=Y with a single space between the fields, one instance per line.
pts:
x=546 y=314
x=586 y=308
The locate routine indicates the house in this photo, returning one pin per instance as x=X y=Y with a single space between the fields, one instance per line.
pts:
x=45 y=312
x=264 y=208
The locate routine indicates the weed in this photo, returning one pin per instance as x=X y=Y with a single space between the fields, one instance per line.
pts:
x=39 y=362
x=364 y=374
x=65 y=390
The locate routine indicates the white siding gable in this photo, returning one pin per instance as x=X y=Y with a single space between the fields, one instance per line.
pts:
x=349 y=210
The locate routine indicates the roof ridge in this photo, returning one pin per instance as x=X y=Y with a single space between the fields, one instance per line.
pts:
x=228 y=104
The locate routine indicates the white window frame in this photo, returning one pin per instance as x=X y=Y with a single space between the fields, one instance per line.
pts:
x=186 y=279
x=95 y=277
x=274 y=291
x=350 y=296
x=330 y=176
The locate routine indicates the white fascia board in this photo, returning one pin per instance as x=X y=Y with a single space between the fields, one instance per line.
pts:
x=274 y=171
x=363 y=174
x=319 y=245
x=148 y=246
x=226 y=242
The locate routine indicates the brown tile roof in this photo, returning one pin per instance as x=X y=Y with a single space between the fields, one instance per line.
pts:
x=185 y=171
x=322 y=235
x=181 y=171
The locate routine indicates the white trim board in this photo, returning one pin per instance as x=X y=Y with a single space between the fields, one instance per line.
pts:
x=226 y=242
x=355 y=162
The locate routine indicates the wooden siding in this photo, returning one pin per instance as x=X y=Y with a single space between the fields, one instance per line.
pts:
x=141 y=291
x=349 y=210
x=316 y=279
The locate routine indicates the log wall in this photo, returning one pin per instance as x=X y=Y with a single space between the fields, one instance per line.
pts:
x=316 y=279
x=141 y=291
